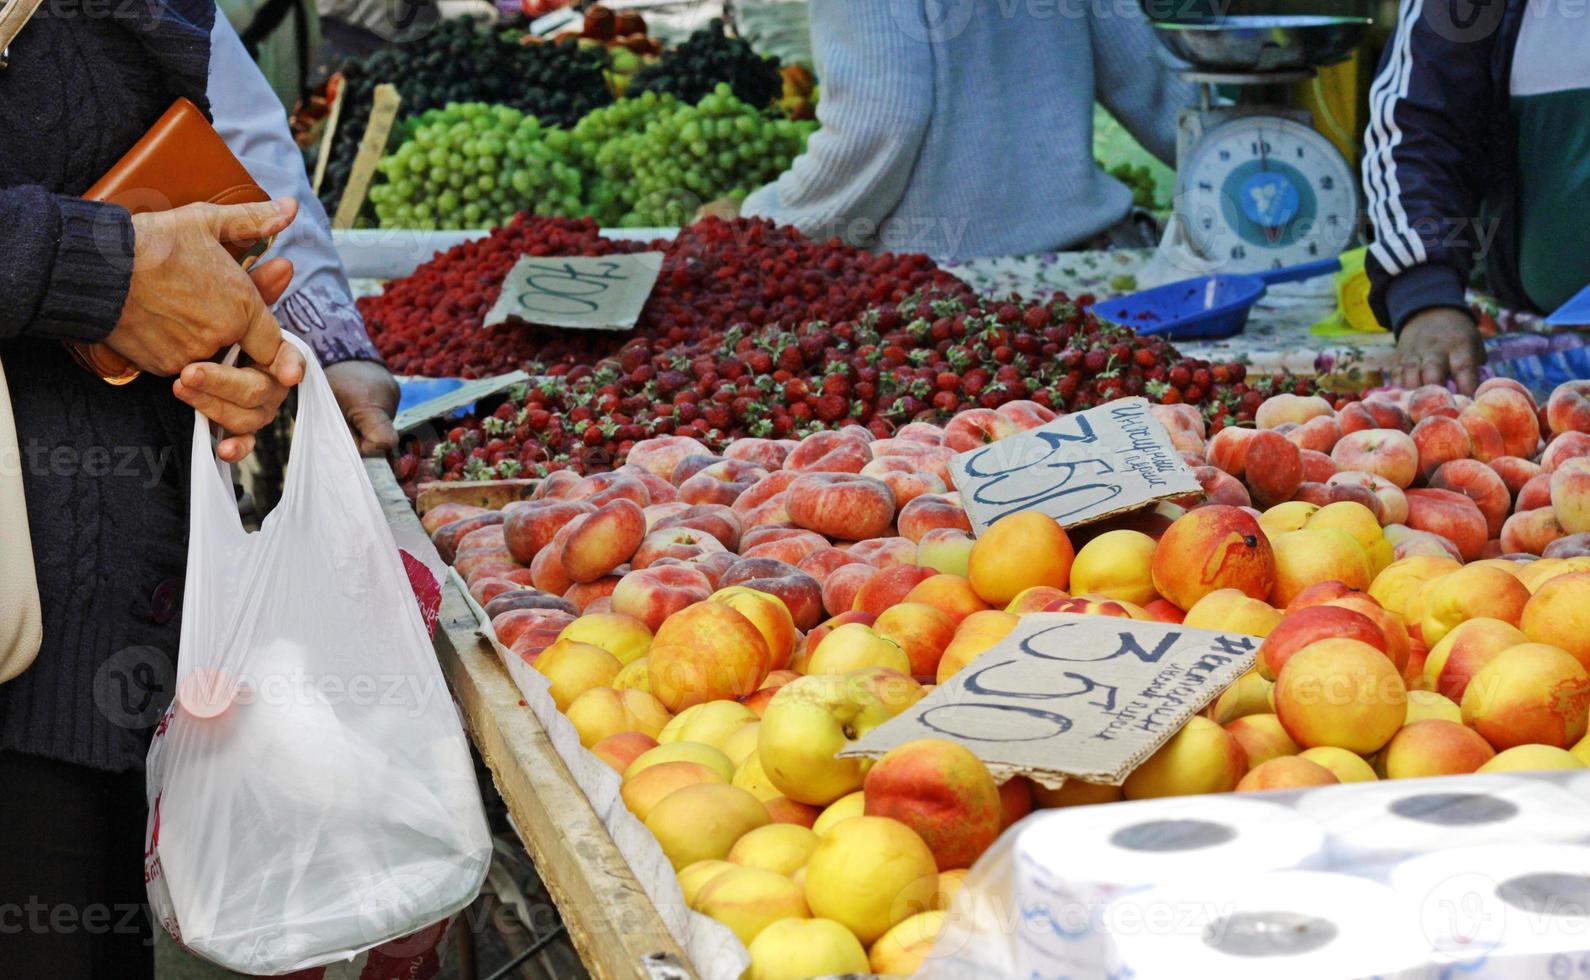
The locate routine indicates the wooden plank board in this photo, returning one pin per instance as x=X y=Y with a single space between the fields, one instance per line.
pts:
x=491 y=494
x=612 y=922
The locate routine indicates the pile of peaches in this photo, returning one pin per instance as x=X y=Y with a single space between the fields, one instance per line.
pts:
x=716 y=629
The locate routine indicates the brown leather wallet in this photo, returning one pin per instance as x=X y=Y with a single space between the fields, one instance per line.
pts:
x=181 y=160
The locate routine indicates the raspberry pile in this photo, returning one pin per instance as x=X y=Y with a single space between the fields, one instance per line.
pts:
x=837 y=345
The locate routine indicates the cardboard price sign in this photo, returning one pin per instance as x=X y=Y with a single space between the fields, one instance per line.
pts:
x=1066 y=695
x=603 y=293
x=1079 y=468
x=466 y=394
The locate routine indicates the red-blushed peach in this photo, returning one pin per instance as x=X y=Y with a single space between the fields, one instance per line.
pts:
x=653 y=594
x=1440 y=440
x=1393 y=503
x=528 y=599
x=1568 y=407
x=763 y=492
x=1534 y=494
x=1213 y=547
x=889 y=586
x=683 y=543
x=1532 y=758
x=1317 y=466
x=1310 y=624
x=529 y=529
x=721 y=483
x=1340 y=692
x=905 y=478
x=1413 y=670
x=1435 y=747
x=1273 y=467
x=1320 y=593
x=942 y=791
x=1117 y=564
x=1035 y=599
x=1512 y=414
x=1430 y=401
x=1391 y=624
x=829 y=452
x=1017 y=552
x=840 y=588
x=884 y=552
x=766 y=453
x=1230 y=611
x=843 y=506
x=442 y=515
x=819 y=563
x=932 y=511
x=1515 y=472
x=583 y=594
x=1530 y=694
x=893 y=689
x=1559 y=613
x=486 y=588
x=662 y=454
x=788 y=545
x=757 y=700
x=1228 y=450
x=1311 y=555
x=1571 y=546
x=951 y=595
x=642 y=792
x=1262 y=738
x=1373 y=413
x=706 y=652
x=782 y=809
x=1531 y=531
x=1027 y=414
x=532 y=640
x=555 y=486
x=602 y=488
x=546 y=569
x=715 y=519
x=921 y=631
x=1201 y=757
x=975 y=635
x=659 y=490
x=1569 y=445
x=1083 y=606
x=1408 y=543
x=801 y=594
x=1219 y=487
x=1163 y=611
x=1015 y=803
x=1471 y=592
x=1451 y=515
x=924 y=432
x=1388 y=453
x=514 y=623
x=656 y=513
x=618 y=751
x=1480 y=483
x=1318 y=434
x=770 y=617
x=1286 y=772
x=977 y=427
x=1277 y=409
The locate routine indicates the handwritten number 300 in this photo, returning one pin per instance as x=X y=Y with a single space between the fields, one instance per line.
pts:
x=1060 y=473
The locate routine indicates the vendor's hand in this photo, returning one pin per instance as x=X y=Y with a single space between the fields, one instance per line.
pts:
x=1438 y=344
x=726 y=208
x=188 y=298
x=244 y=399
x=368 y=395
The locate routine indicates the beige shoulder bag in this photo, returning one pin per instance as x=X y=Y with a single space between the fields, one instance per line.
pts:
x=21 y=625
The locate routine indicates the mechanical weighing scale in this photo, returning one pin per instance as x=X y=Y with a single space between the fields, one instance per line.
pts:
x=1257 y=188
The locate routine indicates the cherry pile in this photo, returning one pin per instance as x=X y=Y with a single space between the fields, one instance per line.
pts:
x=821 y=347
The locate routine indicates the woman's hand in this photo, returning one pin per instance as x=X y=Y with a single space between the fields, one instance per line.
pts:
x=1437 y=344
x=242 y=400
x=189 y=299
x=368 y=395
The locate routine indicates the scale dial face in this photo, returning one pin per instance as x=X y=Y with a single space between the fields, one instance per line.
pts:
x=1263 y=192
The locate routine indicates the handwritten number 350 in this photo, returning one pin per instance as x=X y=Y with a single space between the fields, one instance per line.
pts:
x=1058 y=472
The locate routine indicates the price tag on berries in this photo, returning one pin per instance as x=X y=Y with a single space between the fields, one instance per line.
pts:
x=1073 y=696
x=602 y=293
x=1079 y=468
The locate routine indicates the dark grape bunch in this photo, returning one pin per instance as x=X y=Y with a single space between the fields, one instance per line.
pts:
x=708 y=58
x=464 y=62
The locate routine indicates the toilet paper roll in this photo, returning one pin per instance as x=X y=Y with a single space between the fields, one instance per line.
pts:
x=1370 y=823
x=1069 y=864
x=1502 y=912
x=1286 y=925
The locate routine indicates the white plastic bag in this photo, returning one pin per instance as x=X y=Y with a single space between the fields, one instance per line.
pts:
x=310 y=790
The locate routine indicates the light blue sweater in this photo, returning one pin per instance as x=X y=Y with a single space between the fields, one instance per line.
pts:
x=971 y=134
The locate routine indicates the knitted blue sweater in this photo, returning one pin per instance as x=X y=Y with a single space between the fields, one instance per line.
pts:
x=970 y=134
